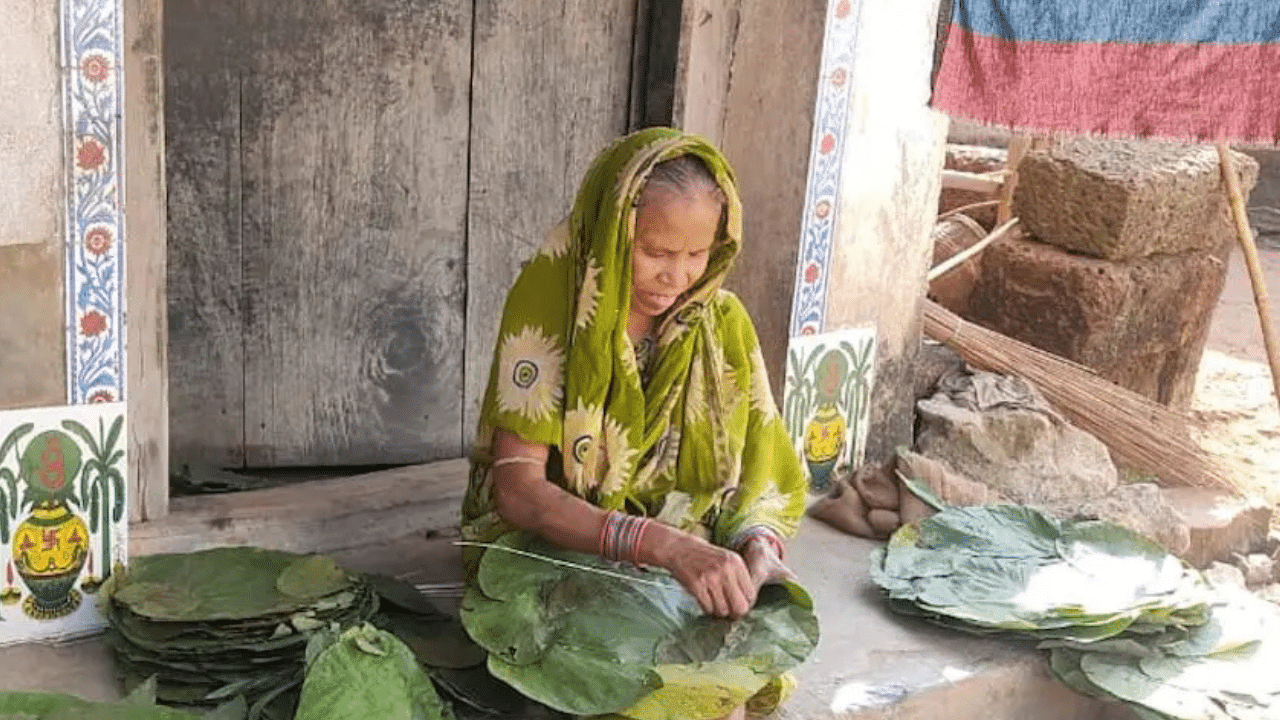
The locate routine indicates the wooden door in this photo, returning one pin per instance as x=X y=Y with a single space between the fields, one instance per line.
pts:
x=352 y=186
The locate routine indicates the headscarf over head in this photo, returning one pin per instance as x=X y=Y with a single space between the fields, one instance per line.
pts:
x=675 y=445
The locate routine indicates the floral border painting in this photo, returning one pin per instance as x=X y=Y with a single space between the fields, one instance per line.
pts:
x=63 y=517
x=822 y=189
x=92 y=81
x=827 y=399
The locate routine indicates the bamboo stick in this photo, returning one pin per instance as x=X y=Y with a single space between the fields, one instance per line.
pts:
x=1250 y=248
x=966 y=208
x=959 y=258
x=1019 y=144
x=973 y=182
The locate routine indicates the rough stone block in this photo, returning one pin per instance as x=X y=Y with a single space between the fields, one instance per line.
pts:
x=1221 y=523
x=1122 y=200
x=972 y=159
x=1141 y=324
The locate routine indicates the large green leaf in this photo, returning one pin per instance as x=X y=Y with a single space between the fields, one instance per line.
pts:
x=369 y=674
x=593 y=637
x=56 y=706
x=225 y=584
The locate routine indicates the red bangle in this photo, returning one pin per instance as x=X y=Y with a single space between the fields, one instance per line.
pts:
x=604 y=529
x=764 y=534
x=635 y=549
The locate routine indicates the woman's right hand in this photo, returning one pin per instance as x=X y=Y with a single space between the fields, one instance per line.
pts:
x=715 y=576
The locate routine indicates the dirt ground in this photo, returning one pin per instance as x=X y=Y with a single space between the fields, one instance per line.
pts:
x=1235 y=411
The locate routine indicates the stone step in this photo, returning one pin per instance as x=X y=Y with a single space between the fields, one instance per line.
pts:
x=869 y=665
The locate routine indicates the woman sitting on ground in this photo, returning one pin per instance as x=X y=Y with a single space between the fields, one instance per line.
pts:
x=628 y=411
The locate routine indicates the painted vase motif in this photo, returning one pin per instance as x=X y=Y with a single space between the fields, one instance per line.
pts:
x=825 y=435
x=49 y=548
x=823 y=444
x=51 y=545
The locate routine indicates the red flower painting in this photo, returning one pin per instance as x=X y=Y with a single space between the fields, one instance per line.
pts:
x=91 y=155
x=93 y=323
x=839 y=76
x=822 y=209
x=95 y=67
x=102 y=396
x=811 y=272
x=828 y=144
x=98 y=241
x=842 y=9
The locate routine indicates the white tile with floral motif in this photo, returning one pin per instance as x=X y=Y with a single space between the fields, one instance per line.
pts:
x=64 y=517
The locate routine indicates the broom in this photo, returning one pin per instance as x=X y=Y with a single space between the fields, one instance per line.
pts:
x=1141 y=432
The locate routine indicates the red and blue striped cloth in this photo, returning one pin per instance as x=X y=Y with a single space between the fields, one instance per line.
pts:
x=1179 y=69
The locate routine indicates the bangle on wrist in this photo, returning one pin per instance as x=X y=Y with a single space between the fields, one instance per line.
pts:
x=762 y=534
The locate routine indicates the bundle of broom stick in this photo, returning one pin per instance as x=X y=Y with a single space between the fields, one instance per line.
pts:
x=1140 y=432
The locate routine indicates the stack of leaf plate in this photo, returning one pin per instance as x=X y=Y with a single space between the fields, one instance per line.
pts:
x=588 y=637
x=1123 y=618
x=1010 y=568
x=1227 y=668
x=219 y=623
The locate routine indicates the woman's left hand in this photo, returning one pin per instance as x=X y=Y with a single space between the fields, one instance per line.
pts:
x=764 y=565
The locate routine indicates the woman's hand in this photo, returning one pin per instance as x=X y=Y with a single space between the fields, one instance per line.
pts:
x=716 y=577
x=764 y=565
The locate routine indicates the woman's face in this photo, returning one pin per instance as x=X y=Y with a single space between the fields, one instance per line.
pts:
x=673 y=239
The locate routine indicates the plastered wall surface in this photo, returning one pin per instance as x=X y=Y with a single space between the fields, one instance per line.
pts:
x=30 y=134
x=31 y=172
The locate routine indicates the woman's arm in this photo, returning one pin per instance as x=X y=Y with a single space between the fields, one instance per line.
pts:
x=523 y=496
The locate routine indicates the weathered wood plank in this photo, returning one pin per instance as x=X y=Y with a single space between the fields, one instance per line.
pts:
x=146 y=360
x=769 y=118
x=317 y=516
x=202 y=39
x=708 y=34
x=550 y=90
x=355 y=125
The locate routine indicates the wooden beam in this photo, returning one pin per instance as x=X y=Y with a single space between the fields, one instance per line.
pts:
x=958 y=180
x=146 y=359
x=317 y=516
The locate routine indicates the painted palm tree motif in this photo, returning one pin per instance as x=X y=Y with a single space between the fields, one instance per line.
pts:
x=828 y=388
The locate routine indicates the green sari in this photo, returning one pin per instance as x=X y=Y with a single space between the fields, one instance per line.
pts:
x=693 y=438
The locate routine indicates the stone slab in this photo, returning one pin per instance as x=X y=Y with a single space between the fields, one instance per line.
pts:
x=869 y=665
x=1121 y=200
x=1141 y=324
x=1221 y=524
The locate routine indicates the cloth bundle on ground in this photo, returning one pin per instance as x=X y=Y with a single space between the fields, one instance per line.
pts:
x=984 y=439
x=1185 y=69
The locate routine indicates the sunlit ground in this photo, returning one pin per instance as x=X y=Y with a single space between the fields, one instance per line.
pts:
x=1235 y=409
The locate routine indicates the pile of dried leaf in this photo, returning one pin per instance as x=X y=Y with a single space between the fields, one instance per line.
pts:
x=217 y=624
